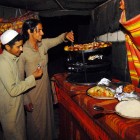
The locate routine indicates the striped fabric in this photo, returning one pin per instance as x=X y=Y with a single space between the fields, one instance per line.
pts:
x=132 y=36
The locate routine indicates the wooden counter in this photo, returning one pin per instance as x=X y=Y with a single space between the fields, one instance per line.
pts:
x=78 y=120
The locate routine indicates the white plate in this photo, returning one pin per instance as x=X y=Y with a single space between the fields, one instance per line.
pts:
x=121 y=108
x=128 y=117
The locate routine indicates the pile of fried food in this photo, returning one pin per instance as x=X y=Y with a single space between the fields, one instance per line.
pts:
x=129 y=88
x=102 y=91
x=9 y=25
x=88 y=46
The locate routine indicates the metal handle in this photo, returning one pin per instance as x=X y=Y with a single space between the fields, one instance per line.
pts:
x=72 y=43
x=98 y=108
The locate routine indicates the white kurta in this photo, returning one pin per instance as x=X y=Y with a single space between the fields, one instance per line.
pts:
x=40 y=121
x=11 y=98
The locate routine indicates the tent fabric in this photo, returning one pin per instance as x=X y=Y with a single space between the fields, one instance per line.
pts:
x=133 y=26
x=106 y=17
x=132 y=8
x=133 y=60
x=132 y=36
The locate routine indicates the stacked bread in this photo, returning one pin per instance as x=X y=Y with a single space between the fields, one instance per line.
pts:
x=130 y=109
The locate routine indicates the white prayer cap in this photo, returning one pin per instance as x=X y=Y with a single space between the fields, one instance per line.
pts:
x=7 y=36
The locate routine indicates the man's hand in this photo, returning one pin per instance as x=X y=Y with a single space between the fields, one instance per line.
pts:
x=70 y=36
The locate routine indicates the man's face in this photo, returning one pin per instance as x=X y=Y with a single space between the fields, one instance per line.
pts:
x=16 y=49
x=38 y=32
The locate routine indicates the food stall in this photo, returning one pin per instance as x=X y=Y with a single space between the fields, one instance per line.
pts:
x=78 y=118
x=97 y=108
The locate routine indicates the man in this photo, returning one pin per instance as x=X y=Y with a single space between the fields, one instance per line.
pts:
x=11 y=88
x=40 y=120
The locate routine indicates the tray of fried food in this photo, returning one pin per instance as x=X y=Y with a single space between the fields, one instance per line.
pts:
x=87 y=46
x=100 y=92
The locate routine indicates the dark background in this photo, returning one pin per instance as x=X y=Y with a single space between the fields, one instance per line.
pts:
x=54 y=26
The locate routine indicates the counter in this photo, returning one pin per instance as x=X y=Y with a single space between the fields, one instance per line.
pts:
x=78 y=120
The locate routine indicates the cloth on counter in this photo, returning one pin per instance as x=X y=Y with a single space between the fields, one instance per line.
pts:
x=115 y=126
x=55 y=100
x=0 y=50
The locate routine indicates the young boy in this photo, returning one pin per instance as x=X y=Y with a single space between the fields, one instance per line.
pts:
x=11 y=88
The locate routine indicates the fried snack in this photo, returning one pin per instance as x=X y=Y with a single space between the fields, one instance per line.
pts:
x=100 y=91
x=87 y=46
x=66 y=48
x=129 y=88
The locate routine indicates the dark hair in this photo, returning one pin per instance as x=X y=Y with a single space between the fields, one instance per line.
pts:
x=13 y=41
x=29 y=24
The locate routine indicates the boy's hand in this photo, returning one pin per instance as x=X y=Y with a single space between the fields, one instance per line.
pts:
x=38 y=73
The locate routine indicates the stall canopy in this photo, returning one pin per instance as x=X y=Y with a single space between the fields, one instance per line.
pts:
x=55 y=7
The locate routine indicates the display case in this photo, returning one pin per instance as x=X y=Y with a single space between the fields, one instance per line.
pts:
x=88 y=66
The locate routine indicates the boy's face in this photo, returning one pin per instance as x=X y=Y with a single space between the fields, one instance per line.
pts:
x=16 y=49
x=38 y=32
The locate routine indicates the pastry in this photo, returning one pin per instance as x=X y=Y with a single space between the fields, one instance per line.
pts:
x=129 y=88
